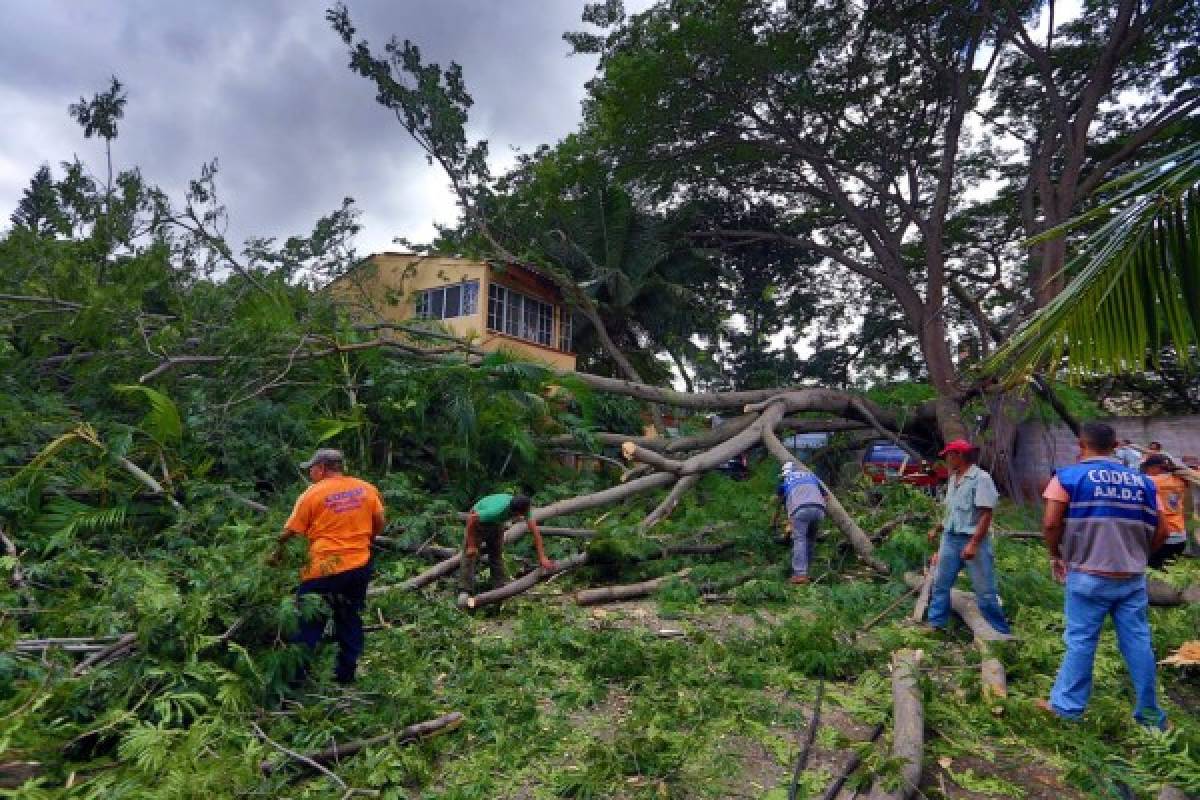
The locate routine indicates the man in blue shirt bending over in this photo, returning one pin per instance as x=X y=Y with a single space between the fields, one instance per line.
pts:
x=804 y=498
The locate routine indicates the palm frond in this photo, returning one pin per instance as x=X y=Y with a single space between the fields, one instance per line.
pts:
x=1136 y=288
x=162 y=422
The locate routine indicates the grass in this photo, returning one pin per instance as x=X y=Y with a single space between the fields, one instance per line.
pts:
x=562 y=701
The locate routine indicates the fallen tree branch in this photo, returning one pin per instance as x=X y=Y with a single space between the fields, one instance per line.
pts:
x=561 y=508
x=852 y=763
x=871 y=623
x=669 y=503
x=833 y=508
x=253 y=505
x=123 y=646
x=810 y=737
x=568 y=533
x=687 y=550
x=308 y=761
x=16 y=577
x=908 y=726
x=523 y=583
x=858 y=405
x=147 y=480
x=628 y=591
x=412 y=733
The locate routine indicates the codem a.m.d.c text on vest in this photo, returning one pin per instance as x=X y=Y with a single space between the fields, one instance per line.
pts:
x=1110 y=519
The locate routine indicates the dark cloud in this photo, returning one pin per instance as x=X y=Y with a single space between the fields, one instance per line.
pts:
x=263 y=86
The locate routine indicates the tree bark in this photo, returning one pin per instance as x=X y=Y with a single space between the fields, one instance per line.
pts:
x=523 y=583
x=908 y=725
x=993 y=680
x=965 y=606
x=628 y=591
x=924 y=589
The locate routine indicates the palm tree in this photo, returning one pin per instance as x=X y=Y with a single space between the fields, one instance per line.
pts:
x=1136 y=285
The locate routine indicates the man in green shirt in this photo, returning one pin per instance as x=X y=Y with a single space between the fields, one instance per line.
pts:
x=486 y=521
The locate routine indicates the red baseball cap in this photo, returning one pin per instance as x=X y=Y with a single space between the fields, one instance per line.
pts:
x=957 y=446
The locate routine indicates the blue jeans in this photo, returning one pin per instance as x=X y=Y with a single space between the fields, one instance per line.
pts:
x=804 y=531
x=1088 y=600
x=346 y=594
x=983 y=581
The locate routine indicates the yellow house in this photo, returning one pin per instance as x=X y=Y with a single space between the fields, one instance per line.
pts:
x=500 y=306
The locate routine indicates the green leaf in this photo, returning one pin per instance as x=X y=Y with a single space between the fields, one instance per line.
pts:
x=162 y=423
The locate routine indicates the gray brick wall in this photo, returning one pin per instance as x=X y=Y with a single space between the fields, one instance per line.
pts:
x=1041 y=448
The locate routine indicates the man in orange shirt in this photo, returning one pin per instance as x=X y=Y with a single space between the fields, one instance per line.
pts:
x=340 y=516
x=1171 y=493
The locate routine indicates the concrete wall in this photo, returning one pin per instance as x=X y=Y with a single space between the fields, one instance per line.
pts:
x=384 y=288
x=1042 y=448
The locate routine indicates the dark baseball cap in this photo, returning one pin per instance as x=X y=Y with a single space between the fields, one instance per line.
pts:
x=326 y=455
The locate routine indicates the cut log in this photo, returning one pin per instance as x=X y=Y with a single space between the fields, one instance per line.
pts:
x=1164 y=594
x=965 y=606
x=570 y=506
x=993 y=680
x=421 y=730
x=523 y=583
x=628 y=591
x=908 y=726
x=833 y=508
x=924 y=589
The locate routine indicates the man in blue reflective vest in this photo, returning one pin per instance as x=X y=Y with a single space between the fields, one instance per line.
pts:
x=1101 y=524
x=804 y=499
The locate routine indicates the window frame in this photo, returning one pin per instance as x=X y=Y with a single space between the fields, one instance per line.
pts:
x=435 y=297
x=520 y=316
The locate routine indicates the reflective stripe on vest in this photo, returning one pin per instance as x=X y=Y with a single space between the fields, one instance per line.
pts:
x=801 y=488
x=1111 y=516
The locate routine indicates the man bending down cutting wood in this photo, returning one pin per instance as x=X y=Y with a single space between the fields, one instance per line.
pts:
x=339 y=516
x=486 y=522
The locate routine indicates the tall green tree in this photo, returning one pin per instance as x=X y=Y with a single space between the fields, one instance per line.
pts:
x=38 y=210
x=99 y=117
x=868 y=128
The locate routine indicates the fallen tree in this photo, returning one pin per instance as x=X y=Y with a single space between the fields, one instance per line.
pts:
x=408 y=735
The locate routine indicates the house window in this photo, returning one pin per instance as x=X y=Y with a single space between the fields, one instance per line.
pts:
x=446 y=302
x=565 y=329
x=520 y=316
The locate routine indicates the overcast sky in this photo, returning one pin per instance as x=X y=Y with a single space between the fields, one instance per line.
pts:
x=263 y=86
